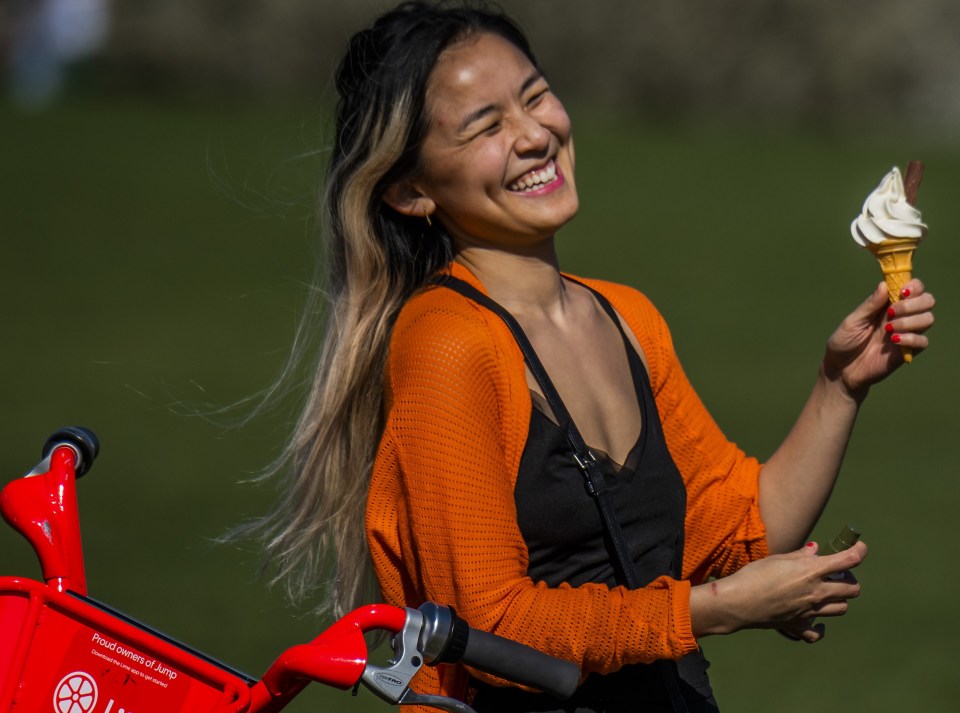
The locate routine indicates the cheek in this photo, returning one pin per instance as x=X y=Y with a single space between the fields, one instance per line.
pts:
x=564 y=130
x=556 y=117
x=465 y=183
x=474 y=169
x=488 y=163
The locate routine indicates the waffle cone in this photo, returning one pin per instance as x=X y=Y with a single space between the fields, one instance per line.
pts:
x=896 y=263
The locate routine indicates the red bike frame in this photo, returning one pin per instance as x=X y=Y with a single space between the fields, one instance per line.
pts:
x=63 y=652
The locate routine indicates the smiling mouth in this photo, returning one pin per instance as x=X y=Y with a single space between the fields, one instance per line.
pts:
x=536 y=179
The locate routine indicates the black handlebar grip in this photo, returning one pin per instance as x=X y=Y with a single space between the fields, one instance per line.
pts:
x=82 y=439
x=521 y=664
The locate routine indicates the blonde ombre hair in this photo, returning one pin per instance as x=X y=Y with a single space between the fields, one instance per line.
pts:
x=377 y=258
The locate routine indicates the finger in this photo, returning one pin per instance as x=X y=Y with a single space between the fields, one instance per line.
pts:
x=913 y=287
x=917 y=323
x=793 y=629
x=836 y=603
x=815 y=633
x=806 y=630
x=830 y=608
x=911 y=302
x=832 y=598
x=844 y=576
x=916 y=342
x=842 y=561
x=874 y=303
x=910 y=317
x=871 y=308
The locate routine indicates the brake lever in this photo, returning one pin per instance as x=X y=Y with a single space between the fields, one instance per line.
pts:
x=392 y=682
x=412 y=698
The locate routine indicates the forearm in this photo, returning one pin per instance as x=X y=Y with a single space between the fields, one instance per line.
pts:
x=710 y=613
x=797 y=480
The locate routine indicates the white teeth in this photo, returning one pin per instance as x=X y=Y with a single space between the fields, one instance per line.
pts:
x=535 y=179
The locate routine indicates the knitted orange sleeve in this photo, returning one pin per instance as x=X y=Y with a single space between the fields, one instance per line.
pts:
x=441 y=519
x=723 y=526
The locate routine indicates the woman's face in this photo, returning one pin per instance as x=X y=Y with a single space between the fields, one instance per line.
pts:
x=497 y=159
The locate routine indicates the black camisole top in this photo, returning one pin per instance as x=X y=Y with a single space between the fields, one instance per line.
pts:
x=566 y=541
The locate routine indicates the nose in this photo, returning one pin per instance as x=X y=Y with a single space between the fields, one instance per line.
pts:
x=532 y=136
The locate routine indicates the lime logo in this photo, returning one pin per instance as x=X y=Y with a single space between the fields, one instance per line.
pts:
x=76 y=693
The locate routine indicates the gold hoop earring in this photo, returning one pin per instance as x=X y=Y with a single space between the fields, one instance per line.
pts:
x=427 y=216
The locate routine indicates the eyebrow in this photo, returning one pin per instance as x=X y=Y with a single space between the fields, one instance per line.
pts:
x=484 y=111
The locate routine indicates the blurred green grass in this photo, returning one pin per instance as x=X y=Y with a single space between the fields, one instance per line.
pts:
x=154 y=261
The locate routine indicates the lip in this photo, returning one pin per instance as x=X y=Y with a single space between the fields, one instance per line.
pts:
x=554 y=185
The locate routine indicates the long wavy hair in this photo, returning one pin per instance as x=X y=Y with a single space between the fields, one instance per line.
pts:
x=376 y=259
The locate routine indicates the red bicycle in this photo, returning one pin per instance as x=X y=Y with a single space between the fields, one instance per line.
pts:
x=65 y=652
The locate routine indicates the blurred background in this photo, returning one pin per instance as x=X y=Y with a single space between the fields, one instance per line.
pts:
x=158 y=174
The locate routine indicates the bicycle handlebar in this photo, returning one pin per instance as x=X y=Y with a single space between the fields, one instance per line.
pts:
x=494 y=654
x=521 y=664
x=434 y=634
x=429 y=635
x=83 y=441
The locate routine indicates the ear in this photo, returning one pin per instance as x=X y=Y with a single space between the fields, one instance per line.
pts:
x=404 y=197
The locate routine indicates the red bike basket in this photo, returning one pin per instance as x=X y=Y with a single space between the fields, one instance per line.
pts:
x=64 y=653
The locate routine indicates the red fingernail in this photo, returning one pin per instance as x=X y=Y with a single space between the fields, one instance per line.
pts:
x=891 y=313
x=810 y=544
x=905 y=292
x=889 y=327
x=895 y=339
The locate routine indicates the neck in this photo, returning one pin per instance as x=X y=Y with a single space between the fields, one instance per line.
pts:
x=523 y=283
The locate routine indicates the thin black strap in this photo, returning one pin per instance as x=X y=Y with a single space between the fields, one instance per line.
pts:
x=595 y=481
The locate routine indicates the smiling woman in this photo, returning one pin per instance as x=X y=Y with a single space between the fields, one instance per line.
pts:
x=497 y=435
x=497 y=159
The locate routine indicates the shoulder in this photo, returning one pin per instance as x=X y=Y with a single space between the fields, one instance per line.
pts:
x=440 y=320
x=442 y=334
x=454 y=370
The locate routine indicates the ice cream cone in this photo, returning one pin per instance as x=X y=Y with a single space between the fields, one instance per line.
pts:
x=896 y=263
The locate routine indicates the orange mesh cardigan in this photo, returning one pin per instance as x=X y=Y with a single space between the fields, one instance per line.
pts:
x=441 y=521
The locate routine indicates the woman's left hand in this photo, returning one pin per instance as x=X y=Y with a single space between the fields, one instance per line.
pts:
x=865 y=348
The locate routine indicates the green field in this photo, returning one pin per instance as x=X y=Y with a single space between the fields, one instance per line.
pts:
x=154 y=262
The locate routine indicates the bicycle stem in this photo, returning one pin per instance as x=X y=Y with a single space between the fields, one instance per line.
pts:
x=42 y=506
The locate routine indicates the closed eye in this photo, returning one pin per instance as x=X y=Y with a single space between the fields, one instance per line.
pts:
x=537 y=97
x=489 y=128
x=534 y=89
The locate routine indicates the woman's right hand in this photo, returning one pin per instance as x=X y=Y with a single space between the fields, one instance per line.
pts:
x=785 y=592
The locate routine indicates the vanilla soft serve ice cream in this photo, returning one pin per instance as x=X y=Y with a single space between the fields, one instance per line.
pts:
x=890 y=228
x=887 y=215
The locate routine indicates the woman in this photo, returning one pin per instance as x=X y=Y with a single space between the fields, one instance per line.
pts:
x=427 y=440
